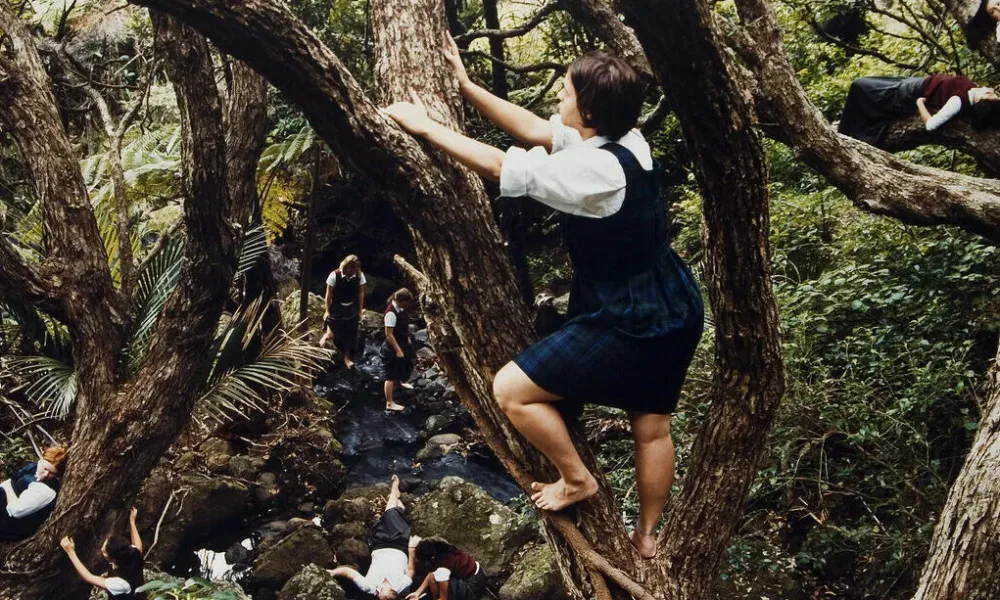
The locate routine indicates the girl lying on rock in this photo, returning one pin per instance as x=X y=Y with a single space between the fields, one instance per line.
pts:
x=125 y=556
x=636 y=313
x=451 y=574
x=392 y=568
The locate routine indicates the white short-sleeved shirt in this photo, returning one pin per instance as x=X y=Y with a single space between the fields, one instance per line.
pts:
x=388 y=564
x=577 y=177
x=34 y=498
x=117 y=586
x=390 y=317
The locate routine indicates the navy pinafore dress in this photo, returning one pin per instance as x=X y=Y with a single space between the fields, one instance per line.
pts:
x=636 y=314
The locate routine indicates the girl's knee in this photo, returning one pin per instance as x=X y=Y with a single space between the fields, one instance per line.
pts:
x=504 y=389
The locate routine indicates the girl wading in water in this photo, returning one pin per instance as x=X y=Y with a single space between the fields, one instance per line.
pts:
x=345 y=301
x=636 y=313
x=397 y=353
x=125 y=556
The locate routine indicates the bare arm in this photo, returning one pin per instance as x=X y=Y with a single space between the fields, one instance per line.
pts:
x=481 y=158
x=81 y=568
x=411 y=568
x=442 y=590
x=328 y=299
x=133 y=530
x=519 y=122
x=391 y=339
x=361 y=300
x=346 y=572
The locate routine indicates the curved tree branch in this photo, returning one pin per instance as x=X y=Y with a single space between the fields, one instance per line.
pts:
x=548 y=8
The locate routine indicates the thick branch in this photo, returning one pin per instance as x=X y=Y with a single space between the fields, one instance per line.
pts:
x=25 y=283
x=548 y=8
x=874 y=180
x=983 y=146
x=600 y=18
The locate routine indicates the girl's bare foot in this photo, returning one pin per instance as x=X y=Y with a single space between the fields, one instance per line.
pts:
x=644 y=542
x=348 y=363
x=394 y=407
x=557 y=496
x=406 y=386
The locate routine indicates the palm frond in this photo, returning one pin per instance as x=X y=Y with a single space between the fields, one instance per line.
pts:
x=253 y=246
x=155 y=284
x=250 y=362
x=51 y=383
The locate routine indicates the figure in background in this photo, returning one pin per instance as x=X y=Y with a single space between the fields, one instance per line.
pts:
x=345 y=301
x=984 y=23
x=636 y=314
x=391 y=570
x=874 y=103
x=448 y=573
x=30 y=495
x=397 y=353
x=125 y=556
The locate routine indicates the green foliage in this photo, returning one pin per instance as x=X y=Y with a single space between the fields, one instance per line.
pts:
x=191 y=589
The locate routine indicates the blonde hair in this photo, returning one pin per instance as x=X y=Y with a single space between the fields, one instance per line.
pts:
x=349 y=261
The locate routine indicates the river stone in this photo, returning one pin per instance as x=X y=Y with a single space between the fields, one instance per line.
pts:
x=437 y=423
x=372 y=321
x=536 y=577
x=344 y=510
x=354 y=552
x=445 y=439
x=187 y=520
x=426 y=354
x=420 y=337
x=307 y=463
x=280 y=562
x=245 y=467
x=312 y=583
x=237 y=554
x=471 y=519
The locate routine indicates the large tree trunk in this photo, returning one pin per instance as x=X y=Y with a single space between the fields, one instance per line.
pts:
x=963 y=554
x=749 y=381
x=121 y=432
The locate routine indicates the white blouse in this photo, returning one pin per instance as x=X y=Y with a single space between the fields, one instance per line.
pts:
x=577 y=177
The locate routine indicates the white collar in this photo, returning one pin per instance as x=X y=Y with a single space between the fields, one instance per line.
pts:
x=395 y=306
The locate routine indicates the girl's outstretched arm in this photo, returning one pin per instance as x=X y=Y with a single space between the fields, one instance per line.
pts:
x=133 y=530
x=481 y=158
x=519 y=122
x=81 y=569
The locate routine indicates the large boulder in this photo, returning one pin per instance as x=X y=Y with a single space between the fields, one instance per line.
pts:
x=471 y=519
x=314 y=314
x=312 y=583
x=284 y=559
x=307 y=463
x=199 y=506
x=536 y=577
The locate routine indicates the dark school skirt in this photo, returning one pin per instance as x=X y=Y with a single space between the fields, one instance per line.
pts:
x=468 y=588
x=397 y=369
x=874 y=103
x=391 y=531
x=345 y=333
x=593 y=363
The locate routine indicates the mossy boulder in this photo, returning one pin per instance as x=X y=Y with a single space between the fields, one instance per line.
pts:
x=312 y=583
x=471 y=519
x=536 y=577
x=314 y=314
x=285 y=558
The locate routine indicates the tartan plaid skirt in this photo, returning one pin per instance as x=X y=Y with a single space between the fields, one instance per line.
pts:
x=596 y=364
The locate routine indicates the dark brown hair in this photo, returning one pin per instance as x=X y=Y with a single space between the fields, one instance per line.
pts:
x=985 y=114
x=402 y=295
x=609 y=93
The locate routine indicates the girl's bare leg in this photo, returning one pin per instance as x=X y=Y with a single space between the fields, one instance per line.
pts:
x=654 y=475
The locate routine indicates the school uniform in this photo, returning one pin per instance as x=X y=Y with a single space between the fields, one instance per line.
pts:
x=344 y=309
x=118 y=587
x=389 y=540
x=873 y=104
x=635 y=312
x=35 y=502
x=397 y=369
x=465 y=577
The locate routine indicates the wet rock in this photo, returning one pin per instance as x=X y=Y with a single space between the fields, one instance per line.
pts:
x=314 y=314
x=346 y=531
x=354 y=510
x=372 y=321
x=285 y=558
x=355 y=552
x=425 y=354
x=409 y=483
x=238 y=554
x=445 y=439
x=437 y=423
x=246 y=467
x=266 y=491
x=273 y=529
x=420 y=338
x=307 y=463
x=312 y=583
x=468 y=517
x=187 y=521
